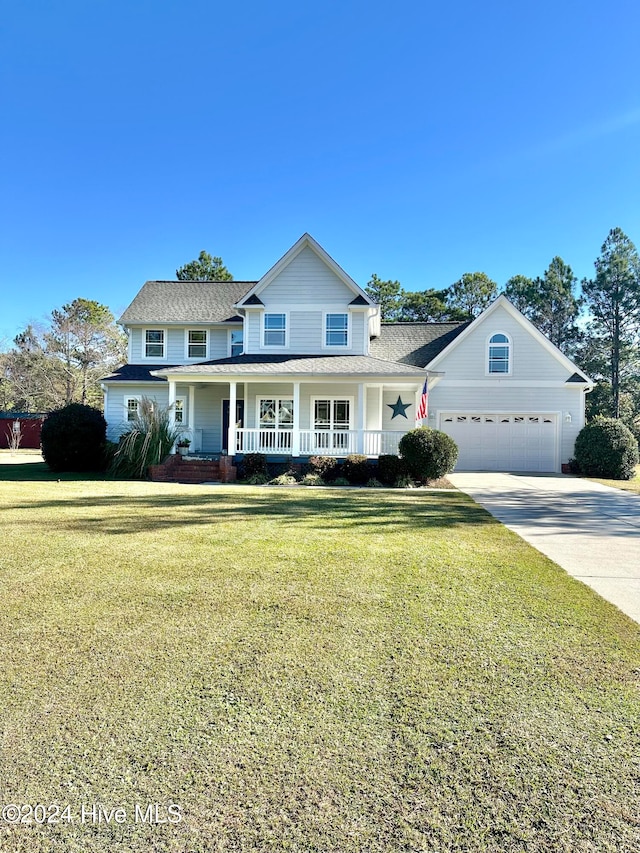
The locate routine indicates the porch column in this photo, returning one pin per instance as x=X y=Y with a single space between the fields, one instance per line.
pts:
x=360 y=417
x=191 y=419
x=172 y=403
x=295 y=438
x=231 y=438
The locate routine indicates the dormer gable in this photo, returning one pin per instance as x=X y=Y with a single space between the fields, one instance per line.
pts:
x=306 y=274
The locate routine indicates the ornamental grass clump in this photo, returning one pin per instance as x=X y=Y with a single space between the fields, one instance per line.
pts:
x=607 y=448
x=149 y=438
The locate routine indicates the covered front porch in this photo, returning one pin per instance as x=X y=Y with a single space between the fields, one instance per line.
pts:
x=298 y=418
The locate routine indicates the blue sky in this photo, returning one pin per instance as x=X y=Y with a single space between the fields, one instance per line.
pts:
x=415 y=140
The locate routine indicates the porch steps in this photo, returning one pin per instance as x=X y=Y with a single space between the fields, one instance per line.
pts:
x=197 y=471
x=177 y=469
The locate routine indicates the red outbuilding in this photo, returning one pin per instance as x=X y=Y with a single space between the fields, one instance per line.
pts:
x=27 y=424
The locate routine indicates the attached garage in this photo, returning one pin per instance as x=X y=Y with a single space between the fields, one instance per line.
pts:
x=506 y=441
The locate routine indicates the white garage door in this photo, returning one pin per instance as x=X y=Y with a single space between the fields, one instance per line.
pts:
x=503 y=442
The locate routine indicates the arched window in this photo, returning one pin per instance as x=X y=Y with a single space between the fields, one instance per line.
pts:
x=499 y=353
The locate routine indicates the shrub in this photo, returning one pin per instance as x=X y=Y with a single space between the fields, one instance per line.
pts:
x=606 y=448
x=356 y=469
x=254 y=463
x=340 y=481
x=73 y=439
x=374 y=484
x=325 y=466
x=428 y=453
x=147 y=441
x=257 y=480
x=390 y=467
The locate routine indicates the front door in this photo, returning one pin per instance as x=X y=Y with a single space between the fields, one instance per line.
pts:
x=225 y=422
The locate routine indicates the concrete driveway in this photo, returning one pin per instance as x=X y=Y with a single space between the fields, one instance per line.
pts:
x=592 y=531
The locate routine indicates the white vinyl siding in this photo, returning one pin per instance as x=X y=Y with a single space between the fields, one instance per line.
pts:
x=306 y=332
x=176 y=345
x=116 y=408
x=303 y=280
x=530 y=360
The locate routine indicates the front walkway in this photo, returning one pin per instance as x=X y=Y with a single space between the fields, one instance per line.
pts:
x=591 y=530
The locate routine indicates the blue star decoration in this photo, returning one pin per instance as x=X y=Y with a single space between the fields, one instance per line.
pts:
x=399 y=408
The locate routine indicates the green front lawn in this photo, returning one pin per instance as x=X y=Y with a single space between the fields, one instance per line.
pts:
x=632 y=485
x=317 y=671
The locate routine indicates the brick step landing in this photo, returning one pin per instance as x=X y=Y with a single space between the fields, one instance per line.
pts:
x=177 y=469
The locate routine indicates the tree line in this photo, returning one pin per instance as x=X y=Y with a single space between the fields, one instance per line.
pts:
x=596 y=322
x=62 y=361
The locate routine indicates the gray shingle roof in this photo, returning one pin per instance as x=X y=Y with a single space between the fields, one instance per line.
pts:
x=135 y=373
x=577 y=377
x=298 y=365
x=414 y=343
x=186 y=302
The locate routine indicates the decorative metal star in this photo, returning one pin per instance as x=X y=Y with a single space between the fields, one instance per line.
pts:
x=399 y=408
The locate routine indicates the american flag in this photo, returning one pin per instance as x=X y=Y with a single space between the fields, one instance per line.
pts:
x=423 y=407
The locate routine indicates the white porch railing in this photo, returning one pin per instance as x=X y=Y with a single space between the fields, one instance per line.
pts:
x=264 y=441
x=318 y=442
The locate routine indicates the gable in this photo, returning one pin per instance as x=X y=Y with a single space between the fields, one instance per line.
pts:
x=531 y=359
x=294 y=279
x=306 y=280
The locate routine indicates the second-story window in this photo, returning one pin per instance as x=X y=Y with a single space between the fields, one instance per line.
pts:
x=275 y=330
x=237 y=343
x=499 y=360
x=336 y=330
x=197 y=343
x=154 y=343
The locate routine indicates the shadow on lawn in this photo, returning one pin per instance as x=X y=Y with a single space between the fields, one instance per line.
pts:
x=39 y=472
x=131 y=514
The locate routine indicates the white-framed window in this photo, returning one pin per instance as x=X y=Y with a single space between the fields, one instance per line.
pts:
x=131 y=408
x=331 y=412
x=336 y=329
x=196 y=343
x=155 y=343
x=180 y=411
x=331 y=419
x=275 y=413
x=499 y=354
x=236 y=342
x=274 y=330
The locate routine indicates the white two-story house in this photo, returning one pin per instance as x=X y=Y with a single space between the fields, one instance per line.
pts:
x=303 y=363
